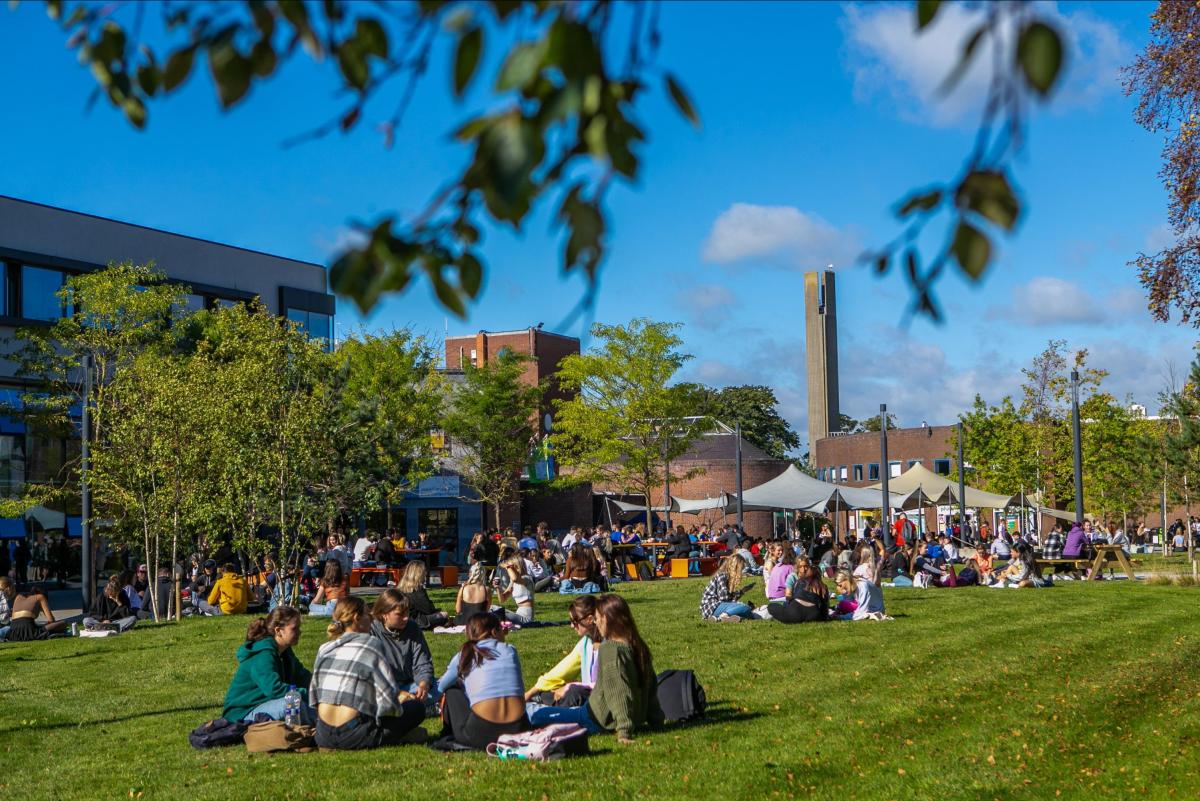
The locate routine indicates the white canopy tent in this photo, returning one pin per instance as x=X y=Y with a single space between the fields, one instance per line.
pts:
x=680 y=505
x=793 y=489
x=944 y=491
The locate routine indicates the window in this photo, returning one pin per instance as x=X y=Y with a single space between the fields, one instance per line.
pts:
x=315 y=324
x=873 y=472
x=893 y=469
x=858 y=472
x=440 y=524
x=842 y=473
x=912 y=462
x=224 y=303
x=941 y=467
x=39 y=299
x=193 y=303
x=12 y=465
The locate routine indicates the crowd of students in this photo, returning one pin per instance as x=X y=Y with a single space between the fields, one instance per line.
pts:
x=372 y=681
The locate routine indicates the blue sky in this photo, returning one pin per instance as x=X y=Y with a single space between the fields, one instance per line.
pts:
x=816 y=118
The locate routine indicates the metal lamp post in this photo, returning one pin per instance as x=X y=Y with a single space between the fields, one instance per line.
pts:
x=883 y=457
x=1077 y=447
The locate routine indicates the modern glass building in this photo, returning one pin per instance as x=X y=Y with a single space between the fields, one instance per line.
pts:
x=41 y=246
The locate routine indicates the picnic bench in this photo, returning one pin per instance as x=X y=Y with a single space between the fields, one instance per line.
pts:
x=366 y=576
x=1104 y=553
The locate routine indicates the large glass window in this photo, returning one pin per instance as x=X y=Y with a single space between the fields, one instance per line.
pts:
x=440 y=524
x=12 y=464
x=39 y=298
x=941 y=467
x=315 y=324
x=893 y=469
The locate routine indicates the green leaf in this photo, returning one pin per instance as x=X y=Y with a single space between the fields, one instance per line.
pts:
x=466 y=58
x=179 y=65
x=148 y=78
x=681 y=100
x=1040 y=54
x=971 y=250
x=135 y=111
x=926 y=11
x=522 y=65
x=353 y=64
x=470 y=274
x=447 y=296
x=230 y=71
x=923 y=201
x=989 y=194
x=372 y=38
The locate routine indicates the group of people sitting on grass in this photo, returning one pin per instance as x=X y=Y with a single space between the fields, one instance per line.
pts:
x=373 y=682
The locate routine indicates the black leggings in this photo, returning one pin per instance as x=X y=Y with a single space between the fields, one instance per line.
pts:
x=793 y=612
x=462 y=725
x=367 y=732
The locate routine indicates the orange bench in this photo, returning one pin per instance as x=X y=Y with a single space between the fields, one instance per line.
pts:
x=359 y=573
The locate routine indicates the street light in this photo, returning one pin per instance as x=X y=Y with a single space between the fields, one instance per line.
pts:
x=1077 y=448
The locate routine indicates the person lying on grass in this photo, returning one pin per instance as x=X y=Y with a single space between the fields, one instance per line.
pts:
x=806 y=598
x=867 y=597
x=420 y=606
x=625 y=697
x=403 y=645
x=720 y=600
x=570 y=681
x=359 y=704
x=267 y=667
x=483 y=689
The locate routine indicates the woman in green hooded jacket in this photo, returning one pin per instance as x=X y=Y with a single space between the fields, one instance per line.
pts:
x=267 y=668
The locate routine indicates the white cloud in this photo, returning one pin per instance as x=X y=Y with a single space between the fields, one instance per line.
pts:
x=706 y=305
x=889 y=58
x=1047 y=301
x=341 y=238
x=781 y=236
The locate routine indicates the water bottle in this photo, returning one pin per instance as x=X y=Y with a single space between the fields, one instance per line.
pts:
x=291 y=706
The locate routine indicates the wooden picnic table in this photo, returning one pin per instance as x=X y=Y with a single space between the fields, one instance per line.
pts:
x=1104 y=553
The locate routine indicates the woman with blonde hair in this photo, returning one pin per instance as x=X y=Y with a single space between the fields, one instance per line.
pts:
x=474 y=596
x=421 y=608
x=520 y=589
x=354 y=689
x=868 y=598
x=720 y=600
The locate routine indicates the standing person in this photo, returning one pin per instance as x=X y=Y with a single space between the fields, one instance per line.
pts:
x=412 y=584
x=721 y=598
x=483 y=689
x=404 y=646
x=268 y=668
x=354 y=690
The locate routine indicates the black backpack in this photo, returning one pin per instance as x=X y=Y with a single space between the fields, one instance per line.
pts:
x=217 y=733
x=680 y=695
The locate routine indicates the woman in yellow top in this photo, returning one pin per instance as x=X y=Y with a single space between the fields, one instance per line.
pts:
x=570 y=681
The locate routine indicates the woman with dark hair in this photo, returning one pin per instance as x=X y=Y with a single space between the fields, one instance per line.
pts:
x=483 y=689
x=26 y=606
x=570 y=681
x=582 y=569
x=268 y=668
x=625 y=697
x=354 y=690
x=109 y=606
x=333 y=587
x=806 y=598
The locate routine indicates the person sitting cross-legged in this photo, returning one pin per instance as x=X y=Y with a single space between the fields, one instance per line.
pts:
x=359 y=704
x=404 y=646
x=483 y=689
x=721 y=598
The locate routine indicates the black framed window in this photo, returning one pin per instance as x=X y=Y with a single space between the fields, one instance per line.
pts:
x=941 y=467
x=39 y=293
x=858 y=474
x=873 y=471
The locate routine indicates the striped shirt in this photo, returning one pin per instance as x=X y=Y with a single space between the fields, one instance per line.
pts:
x=353 y=671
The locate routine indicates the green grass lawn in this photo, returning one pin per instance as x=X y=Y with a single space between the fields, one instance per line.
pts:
x=1081 y=691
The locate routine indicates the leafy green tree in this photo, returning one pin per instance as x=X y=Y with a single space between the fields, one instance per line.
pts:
x=997 y=446
x=558 y=123
x=755 y=408
x=875 y=424
x=626 y=423
x=492 y=424
x=390 y=390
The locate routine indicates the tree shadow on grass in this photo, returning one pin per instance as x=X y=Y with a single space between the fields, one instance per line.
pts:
x=721 y=712
x=68 y=724
x=76 y=654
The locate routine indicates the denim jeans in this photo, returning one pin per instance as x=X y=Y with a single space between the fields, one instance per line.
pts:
x=322 y=610
x=4 y=632
x=432 y=696
x=540 y=715
x=733 y=608
x=276 y=709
